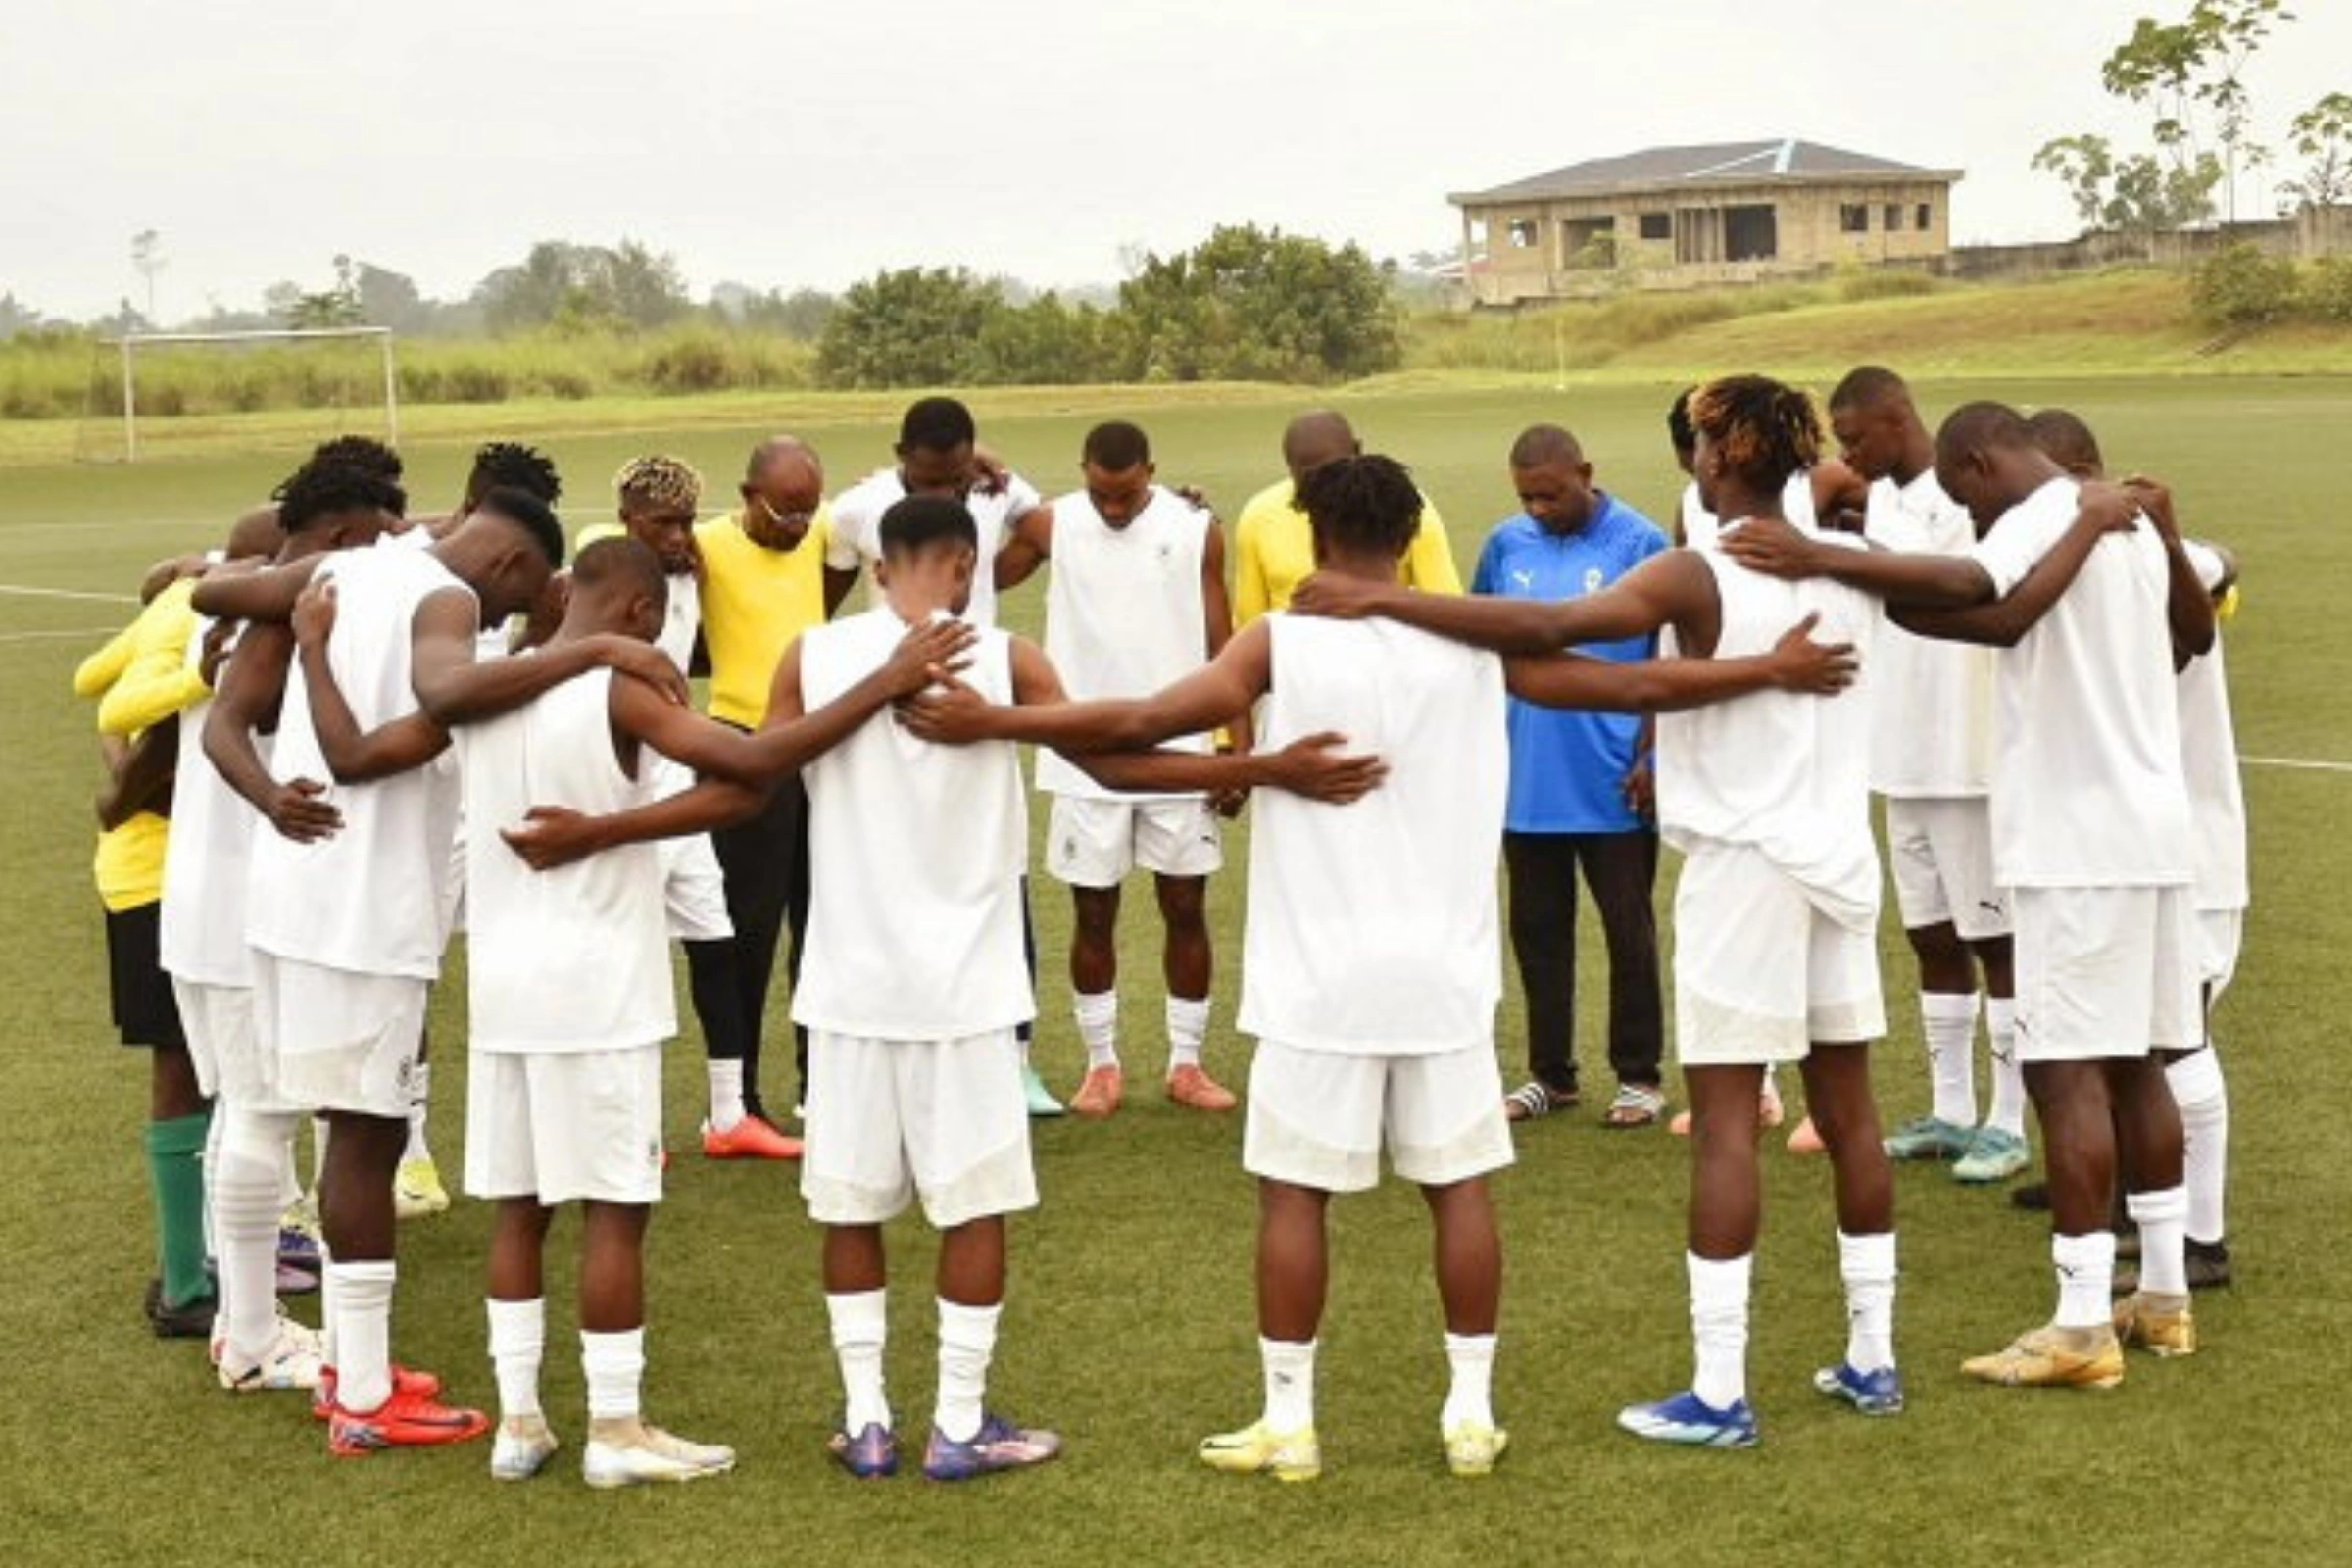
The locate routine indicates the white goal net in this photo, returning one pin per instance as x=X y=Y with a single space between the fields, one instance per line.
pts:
x=141 y=377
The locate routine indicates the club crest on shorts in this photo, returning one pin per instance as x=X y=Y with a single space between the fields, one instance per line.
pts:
x=1592 y=579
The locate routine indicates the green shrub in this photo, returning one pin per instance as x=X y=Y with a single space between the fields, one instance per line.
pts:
x=2240 y=286
x=1884 y=283
x=2326 y=291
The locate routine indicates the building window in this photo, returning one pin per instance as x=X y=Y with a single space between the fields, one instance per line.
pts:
x=1894 y=218
x=1854 y=217
x=1523 y=233
x=1925 y=215
x=1657 y=225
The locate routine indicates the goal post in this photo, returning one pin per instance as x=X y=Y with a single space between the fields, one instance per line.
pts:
x=128 y=346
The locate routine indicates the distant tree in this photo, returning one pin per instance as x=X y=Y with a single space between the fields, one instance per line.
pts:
x=16 y=318
x=2137 y=195
x=799 y=315
x=391 y=299
x=916 y=326
x=1260 y=305
x=641 y=286
x=2323 y=134
x=1042 y=343
x=2186 y=71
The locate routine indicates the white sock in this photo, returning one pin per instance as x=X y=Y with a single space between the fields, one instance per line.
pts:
x=2086 y=1269
x=363 y=1318
x=967 y=1338
x=861 y=1327
x=726 y=1093
x=2204 y=1099
x=615 y=1368
x=244 y=1190
x=420 y=1090
x=319 y=1131
x=1470 y=1396
x=2008 y=1112
x=1948 y=1022
x=289 y=1185
x=331 y=1297
x=216 y=1133
x=1719 y=1328
x=1290 y=1384
x=1188 y=1029
x=1867 y=1265
x=1098 y=1014
x=2163 y=1221
x=518 y=1345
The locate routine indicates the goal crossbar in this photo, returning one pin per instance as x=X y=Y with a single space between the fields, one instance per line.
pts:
x=129 y=343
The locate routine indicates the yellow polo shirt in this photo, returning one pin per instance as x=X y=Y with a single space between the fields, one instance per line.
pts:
x=755 y=602
x=140 y=678
x=1274 y=552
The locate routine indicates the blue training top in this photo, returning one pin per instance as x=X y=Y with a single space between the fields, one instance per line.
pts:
x=1568 y=768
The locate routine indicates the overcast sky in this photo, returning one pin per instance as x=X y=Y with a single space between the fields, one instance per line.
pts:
x=808 y=142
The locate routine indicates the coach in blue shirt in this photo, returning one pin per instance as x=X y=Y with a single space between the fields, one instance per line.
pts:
x=1579 y=792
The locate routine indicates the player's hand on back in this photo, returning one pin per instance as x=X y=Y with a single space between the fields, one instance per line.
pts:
x=551 y=836
x=626 y=656
x=1339 y=598
x=1313 y=766
x=989 y=474
x=298 y=811
x=1801 y=664
x=2145 y=495
x=1773 y=546
x=218 y=640
x=946 y=712
x=1640 y=787
x=314 y=614
x=929 y=652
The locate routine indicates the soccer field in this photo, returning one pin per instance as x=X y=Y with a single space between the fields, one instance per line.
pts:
x=1130 y=1323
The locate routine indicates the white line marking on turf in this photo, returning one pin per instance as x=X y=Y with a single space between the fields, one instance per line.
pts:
x=57 y=636
x=66 y=593
x=2304 y=764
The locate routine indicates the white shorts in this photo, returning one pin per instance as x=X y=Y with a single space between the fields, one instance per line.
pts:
x=1759 y=972
x=2104 y=972
x=1319 y=1119
x=696 y=893
x=225 y=1046
x=1942 y=852
x=565 y=1125
x=893 y=1120
x=338 y=1040
x=1094 y=844
x=2220 y=935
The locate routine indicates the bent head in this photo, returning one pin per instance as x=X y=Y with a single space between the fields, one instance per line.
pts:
x=2062 y=434
x=617 y=586
x=783 y=487
x=1875 y=421
x=935 y=448
x=1553 y=480
x=506 y=550
x=1680 y=432
x=1752 y=433
x=1117 y=467
x=930 y=549
x=659 y=496
x=1314 y=440
x=1364 y=510
x=1986 y=459
x=332 y=505
x=510 y=466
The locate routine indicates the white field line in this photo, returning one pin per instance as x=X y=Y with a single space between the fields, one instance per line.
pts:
x=77 y=634
x=2300 y=765
x=28 y=592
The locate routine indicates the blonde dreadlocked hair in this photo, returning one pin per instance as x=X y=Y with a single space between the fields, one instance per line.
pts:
x=657 y=481
x=1765 y=430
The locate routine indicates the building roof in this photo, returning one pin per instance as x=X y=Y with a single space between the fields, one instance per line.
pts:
x=1784 y=162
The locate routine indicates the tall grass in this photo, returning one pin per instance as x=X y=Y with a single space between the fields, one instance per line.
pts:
x=1585 y=335
x=65 y=375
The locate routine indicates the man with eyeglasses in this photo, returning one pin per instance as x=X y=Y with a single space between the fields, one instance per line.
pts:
x=765 y=580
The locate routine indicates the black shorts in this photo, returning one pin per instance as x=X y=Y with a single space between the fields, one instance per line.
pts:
x=146 y=1014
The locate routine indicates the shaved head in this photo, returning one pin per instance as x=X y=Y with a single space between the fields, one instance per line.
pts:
x=257 y=533
x=1540 y=444
x=780 y=458
x=1870 y=386
x=1314 y=438
x=1975 y=427
x=2065 y=437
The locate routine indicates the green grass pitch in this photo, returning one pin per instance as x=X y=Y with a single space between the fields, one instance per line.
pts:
x=1130 y=1321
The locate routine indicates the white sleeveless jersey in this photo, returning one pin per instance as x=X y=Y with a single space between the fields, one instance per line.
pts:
x=1784 y=774
x=1124 y=613
x=916 y=853
x=1701 y=527
x=1933 y=739
x=205 y=860
x=2087 y=789
x=1372 y=927
x=370 y=898
x=2217 y=801
x=577 y=959
x=856 y=539
x=682 y=621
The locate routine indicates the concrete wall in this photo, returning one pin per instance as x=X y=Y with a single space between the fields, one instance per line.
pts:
x=2311 y=231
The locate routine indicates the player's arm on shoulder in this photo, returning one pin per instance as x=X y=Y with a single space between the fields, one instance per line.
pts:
x=2188 y=601
x=1028 y=545
x=2004 y=622
x=353 y=755
x=794 y=735
x=139 y=776
x=1840 y=496
x=1795 y=664
x=155 y=684
x=550 y=836
x=266 y=593
x=1778 y=547
x=455 y=688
